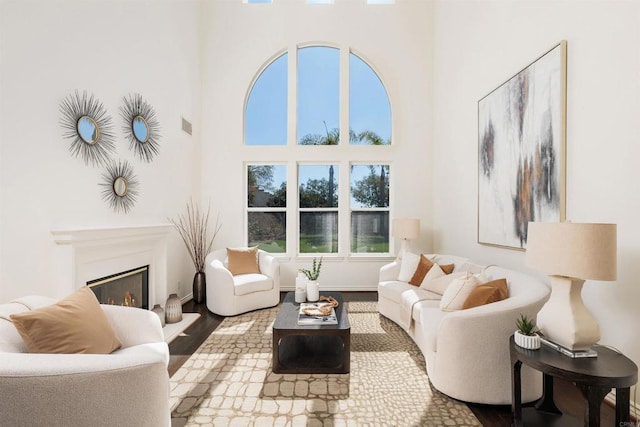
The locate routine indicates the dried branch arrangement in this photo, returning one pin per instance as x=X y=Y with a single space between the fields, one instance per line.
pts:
x=193 y=227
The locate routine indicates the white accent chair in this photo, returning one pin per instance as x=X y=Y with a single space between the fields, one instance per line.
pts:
x=127 y=387
x=229 y=295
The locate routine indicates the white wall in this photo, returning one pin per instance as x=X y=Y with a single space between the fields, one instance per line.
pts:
x=480 y=44
x=395 y=40
x=111 y=49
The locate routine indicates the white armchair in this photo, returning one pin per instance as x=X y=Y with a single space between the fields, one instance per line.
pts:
x=229 y=295
x=127 y=387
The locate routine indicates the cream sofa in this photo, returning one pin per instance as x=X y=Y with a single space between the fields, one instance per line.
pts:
x=129 y=387
x=466 y=351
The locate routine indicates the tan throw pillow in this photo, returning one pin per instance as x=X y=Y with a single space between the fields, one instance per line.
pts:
x=457 y=292
x=423 y=268
x=447 y=268
x=486 y=293
x=75 y=324
x=243 y=260
x=439 y=285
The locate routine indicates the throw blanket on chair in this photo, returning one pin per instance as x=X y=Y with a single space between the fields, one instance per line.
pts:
x=409 y=299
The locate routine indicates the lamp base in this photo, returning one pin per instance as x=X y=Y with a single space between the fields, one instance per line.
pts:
x=575 y=354
x=404 y=248
x=564 y=319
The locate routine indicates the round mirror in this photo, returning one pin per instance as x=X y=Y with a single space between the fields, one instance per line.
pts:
x=120 y=186
x=140 y=129
x=88 y=130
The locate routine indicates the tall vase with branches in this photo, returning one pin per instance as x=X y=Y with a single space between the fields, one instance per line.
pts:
x=194 y=230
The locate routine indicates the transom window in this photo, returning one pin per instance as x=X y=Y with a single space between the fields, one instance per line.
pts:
x=318 y=115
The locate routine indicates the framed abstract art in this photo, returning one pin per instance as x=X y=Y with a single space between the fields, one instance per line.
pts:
x=521 y=151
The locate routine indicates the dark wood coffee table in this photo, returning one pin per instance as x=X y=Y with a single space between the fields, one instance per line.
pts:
x=310 y=349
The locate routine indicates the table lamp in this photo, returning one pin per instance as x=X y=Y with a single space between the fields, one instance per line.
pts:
x=405 y=229
x=571 y=253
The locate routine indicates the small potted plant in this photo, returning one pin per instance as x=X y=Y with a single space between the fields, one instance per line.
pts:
x=313 y=287
x=526 y=336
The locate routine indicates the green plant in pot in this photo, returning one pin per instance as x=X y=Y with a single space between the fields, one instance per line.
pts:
x=526 y=334
x=313 y=287
x=194 y=230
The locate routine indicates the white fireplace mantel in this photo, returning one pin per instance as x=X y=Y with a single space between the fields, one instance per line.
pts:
x=85 y=254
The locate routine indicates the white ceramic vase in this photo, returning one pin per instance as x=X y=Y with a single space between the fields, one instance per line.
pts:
x=530 y=342
x=301 y=287
x=301 y=295
x=313 y=291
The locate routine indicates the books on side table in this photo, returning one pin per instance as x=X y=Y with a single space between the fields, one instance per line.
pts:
x=314 y=317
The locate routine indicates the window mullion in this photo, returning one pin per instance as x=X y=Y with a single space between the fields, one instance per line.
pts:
x=344 y=95
x=292 y=98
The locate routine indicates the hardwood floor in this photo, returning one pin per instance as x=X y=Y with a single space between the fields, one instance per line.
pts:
x=567 y=397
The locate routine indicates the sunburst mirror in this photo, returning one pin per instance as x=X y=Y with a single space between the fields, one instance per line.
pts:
x=119 y=186
x=86 y=123
x=141 y=127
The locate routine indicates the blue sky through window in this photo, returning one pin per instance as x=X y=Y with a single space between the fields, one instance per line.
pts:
x=318 y=100
x=369 y=107
x=318 y=90
x=266 y=115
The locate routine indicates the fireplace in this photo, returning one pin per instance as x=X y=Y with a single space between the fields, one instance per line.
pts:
x=86 y=254
x=128 y=288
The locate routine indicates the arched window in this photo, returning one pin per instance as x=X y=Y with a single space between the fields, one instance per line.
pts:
x=369 y=109
x=322 y=116
x=265 y=118
x=318 y=96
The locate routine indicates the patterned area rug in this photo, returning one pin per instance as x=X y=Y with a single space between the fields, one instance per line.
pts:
x=228 y=381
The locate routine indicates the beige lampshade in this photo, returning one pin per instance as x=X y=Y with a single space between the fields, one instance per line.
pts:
x=406 y=228
x=578 y=250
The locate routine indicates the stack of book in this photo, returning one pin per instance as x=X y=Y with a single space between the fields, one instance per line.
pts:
x=314 y=316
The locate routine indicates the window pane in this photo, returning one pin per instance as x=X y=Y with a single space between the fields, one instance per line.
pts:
x=268 y=230
x=318 y=186
x=369 y=186
x=318 y=95
x=266 y=115
x=318 y=232
x=370 y=232
x=267 y=186
x=369 y=109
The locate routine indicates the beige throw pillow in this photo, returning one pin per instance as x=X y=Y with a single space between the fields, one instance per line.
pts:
x=243 y=260
x=75 y=324
x=439 y=285
x=408 y=265
x=434 y=272
x=457 y=292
